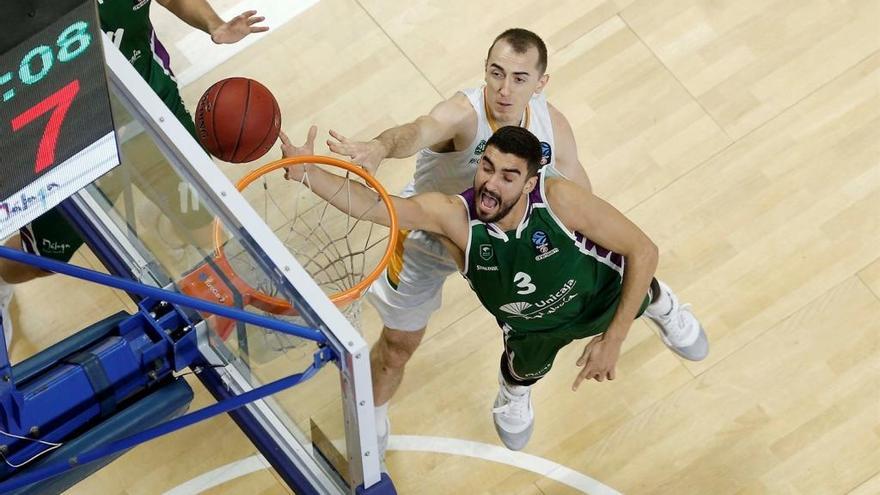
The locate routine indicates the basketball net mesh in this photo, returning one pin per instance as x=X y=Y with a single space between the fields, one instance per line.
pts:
x=334 y=248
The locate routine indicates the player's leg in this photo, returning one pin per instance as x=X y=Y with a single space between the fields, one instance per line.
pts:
x=51 y=236
x=12 y=272
x=405 y=296
x=388 y=358
x=677 y=326
x=526 y=359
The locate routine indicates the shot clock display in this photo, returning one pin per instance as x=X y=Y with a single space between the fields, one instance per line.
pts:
x=56 y=129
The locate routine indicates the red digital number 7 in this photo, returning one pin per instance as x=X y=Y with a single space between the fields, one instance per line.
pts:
x=59 y=103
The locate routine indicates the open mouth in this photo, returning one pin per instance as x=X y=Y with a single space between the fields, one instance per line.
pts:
x=489 y=201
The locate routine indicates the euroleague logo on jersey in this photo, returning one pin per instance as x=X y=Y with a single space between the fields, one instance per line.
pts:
x=546 y=153
x=542 y=245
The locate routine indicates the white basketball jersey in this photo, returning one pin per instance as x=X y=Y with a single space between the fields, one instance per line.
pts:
x=453 y=172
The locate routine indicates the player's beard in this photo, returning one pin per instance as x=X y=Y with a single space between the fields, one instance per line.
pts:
x=503 y=208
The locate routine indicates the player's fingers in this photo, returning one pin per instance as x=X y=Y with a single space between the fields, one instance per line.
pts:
x=259 y=29
x=339 y=148
x=339 y=137
x=586 y=354
x=583 y=359
x=589 y=371
x=612 y=374
x=313 y=132
x=577 y=381
x=284 y=139
x=255 y=19
x=247 y=13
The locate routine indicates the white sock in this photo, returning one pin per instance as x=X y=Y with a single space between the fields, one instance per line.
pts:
x=662 y=304
x=514 y=389
x=381 y=419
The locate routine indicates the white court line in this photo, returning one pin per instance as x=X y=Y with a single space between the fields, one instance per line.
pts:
x=501 y=455
x=415 y=443
x=204 y=55
x=221 y=475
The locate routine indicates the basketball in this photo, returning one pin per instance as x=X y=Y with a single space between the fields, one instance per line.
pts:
x=237 y=120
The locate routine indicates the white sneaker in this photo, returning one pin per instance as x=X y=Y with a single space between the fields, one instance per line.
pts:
x=513 y=415
x=6 y=293
x=679 y=328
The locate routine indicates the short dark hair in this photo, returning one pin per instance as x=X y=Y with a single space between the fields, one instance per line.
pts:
x=519 y=142
x=521 y=40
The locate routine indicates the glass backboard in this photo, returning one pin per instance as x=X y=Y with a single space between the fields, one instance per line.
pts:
x=162 y=213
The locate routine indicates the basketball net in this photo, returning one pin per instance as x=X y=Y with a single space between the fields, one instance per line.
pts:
x=343 y=254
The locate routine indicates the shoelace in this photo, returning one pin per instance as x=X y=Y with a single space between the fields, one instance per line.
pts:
x=676 y=331
x=516 y=406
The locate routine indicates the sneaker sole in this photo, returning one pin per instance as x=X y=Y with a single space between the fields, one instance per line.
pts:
x=694 y=352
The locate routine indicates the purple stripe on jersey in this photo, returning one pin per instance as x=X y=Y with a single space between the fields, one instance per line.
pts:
x=160 y=51
x=535 y=196
x=469 y=197
x=589 y=245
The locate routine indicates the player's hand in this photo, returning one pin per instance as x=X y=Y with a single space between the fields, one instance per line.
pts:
x=366 y=154
x=238 y=28
x=288 y=149
x=598 y=359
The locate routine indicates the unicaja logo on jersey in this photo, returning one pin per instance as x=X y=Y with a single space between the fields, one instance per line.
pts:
x=542 y=245
x=551 y=304
x=515 y=308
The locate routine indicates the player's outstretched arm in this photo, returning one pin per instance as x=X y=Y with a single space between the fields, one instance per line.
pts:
x=200 y=15
x=432 y=212
x=583 y=212
x=442 y=124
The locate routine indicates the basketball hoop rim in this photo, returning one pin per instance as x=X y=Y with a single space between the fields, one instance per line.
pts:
x=340 y=299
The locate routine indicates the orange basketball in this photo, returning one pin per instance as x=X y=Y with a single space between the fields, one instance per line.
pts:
x=237 y=120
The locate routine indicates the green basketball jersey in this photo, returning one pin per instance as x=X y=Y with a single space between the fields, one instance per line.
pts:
x=541 y=276
x=127 y=23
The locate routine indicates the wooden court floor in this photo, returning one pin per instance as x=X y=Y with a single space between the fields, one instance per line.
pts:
x=742 y=136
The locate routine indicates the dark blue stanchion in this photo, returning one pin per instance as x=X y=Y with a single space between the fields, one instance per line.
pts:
x=321 y=357
x=161 y=294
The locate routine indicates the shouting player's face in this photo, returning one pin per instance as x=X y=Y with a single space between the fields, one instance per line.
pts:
x=511 y=80
x=501 y=181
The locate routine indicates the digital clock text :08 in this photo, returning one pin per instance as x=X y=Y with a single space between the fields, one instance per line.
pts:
x=72 y=42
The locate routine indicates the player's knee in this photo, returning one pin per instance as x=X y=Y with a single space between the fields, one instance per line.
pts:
x=397 y=346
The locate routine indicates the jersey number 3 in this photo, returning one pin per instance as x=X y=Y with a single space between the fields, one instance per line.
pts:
x=524 y=282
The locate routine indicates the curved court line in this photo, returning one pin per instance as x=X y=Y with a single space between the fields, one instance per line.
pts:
x=221 y=475
x=501 y=455
x=416 y=443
